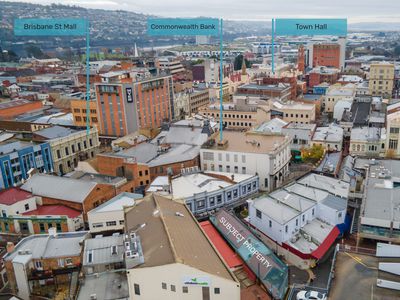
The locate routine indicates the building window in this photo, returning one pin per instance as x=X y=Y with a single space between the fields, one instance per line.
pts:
x=136 y=288
x=219 y=199
x=243 y=170
x=217 y=291
x=58 y=154
x=286 y=228
x=313 y=211
x=229 y=196
x=173 y=288
x=228 y=169
x=200 y=204
x=66 y=151
x=340 y=214
x=97 y=225
x=41 y=227
x=140 y=173
x=27 y=206
x=236 y=169
x=220 y=168
x=254 y=185
x=58 y=227
x=243 y=189
x=185 y=289
x=111 y=223
x=212 y=201
x=393 y=144
x=163 y=285
x=235 y=193
x=258 y=214
x=270 y=223
x=297 y=222
x=303 y=217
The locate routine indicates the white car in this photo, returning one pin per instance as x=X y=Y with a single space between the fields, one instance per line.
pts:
x=310 y=295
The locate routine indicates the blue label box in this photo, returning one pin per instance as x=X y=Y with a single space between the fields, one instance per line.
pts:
x=47 y=27
x=172 y=26
x=311 y=27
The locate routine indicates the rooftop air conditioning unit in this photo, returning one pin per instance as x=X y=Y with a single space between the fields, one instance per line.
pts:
x=93 y=297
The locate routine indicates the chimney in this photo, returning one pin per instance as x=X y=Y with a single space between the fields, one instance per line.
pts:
x=10 y=247
x=52 y=232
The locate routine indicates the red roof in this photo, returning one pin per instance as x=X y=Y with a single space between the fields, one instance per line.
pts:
x=229 y=256
x=13 y=195
x=326 y=244
x=54 y=210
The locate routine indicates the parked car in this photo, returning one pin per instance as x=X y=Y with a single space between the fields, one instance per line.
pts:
x=310 y=295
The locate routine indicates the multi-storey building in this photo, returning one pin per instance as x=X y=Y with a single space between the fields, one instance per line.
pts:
x=294 y=111
x=381 y=79
x=327 y=55
x=258 y=153
x=42 y=260
x=243 y=113
x=184 y=266
x=69 y=146
x=18 y=158
x=124 y=104
x=337 y=93
x=78 y=109
x=279 y=90
x=393 y=130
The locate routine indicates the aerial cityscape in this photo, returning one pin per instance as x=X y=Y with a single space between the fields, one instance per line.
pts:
x=199 y=150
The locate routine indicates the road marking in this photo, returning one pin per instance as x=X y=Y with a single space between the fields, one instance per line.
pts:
x=372 y=292
x=359 y=260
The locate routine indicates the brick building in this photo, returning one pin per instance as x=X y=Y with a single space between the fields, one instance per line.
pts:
x=10 y=109
x=82 y=193
x=44 y=260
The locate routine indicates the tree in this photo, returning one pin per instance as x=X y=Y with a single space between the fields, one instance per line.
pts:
x=313 y=154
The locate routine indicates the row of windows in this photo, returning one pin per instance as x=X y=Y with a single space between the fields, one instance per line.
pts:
x=232 y=116
x=164 y=286
x=79 y=119
x=78 y=110
x=217 y=200
x=296 y=115
x=108 y=224
x=73 y=150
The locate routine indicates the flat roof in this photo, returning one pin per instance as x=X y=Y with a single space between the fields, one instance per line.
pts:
x=106 y=285
x=47 y=246
x=332 y=133
x=250 y=142
x=169 y=237
x=274 y=209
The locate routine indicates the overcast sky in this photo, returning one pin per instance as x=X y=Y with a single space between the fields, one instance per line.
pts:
x=354 y=10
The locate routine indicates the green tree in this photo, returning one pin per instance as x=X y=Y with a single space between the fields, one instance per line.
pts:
x=312 y=154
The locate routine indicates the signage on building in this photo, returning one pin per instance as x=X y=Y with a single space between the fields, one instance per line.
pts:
x=311 y=27
x=178 y=26
x=129 y=95
x=38 y=27
x=194 y=280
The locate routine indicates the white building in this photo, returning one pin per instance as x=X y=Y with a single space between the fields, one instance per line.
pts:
x=367 y=141
x=300 y=134
x=206 y=192
x=173 y=259
x=252 y=153
x=330 y=137
x=110 y=215
x=338 y=92
x=300 y=216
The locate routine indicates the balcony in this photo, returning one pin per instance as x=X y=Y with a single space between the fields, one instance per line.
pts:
x=34 y=274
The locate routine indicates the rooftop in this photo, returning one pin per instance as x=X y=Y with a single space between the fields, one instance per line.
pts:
x=188 y=185
x=117 y=203
x=55 y=132
x=56 y=187
x=332 y=133
x=48 y=246
x=172 y=235
x=13 y=195
x=106 y=285
x=250 y=142
x=10 y=147
x=54 y=210
x=100 y=249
